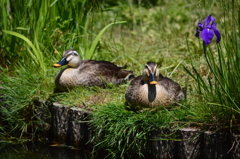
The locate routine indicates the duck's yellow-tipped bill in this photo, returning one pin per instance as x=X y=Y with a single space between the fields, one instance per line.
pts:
x=57 y=65
x=154 y=82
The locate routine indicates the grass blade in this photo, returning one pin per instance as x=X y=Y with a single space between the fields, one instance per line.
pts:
x=89 y=54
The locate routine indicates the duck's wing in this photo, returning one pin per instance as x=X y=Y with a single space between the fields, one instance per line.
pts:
x=107 y=70
x=173 y=88
x=131 y=94
x=137 y=81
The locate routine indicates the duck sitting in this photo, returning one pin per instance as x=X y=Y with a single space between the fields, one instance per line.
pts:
x=152 y=89
x=87 y=72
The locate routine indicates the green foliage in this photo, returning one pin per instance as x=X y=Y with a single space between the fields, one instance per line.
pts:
x=19 y=114
x=125 y=133
x=40 y=22
x=90 y=52
x=218 y=90
x=36 y=55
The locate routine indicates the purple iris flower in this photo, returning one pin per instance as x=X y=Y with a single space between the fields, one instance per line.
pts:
x=207 y=29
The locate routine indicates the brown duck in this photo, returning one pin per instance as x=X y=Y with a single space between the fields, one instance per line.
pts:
x=153 y=90
x=87 y=72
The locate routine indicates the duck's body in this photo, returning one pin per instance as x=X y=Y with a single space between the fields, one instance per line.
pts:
x=87 y=72
x=153 y=90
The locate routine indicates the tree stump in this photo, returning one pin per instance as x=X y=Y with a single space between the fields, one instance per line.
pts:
x=79 y=128
x=216 y=144
x=191 y=145
x=163 y=145
x=60 y=120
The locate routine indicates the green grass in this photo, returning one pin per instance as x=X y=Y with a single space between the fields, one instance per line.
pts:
x=126 y=133
x=34 y=35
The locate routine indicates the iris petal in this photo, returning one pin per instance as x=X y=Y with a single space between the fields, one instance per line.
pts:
x=197 y=32
x=218 y=35
x=214 y=25
x=212 y=19
x=209 y=20
x=200 y=26
x=207 y=35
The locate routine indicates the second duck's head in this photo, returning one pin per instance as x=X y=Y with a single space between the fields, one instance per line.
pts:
x=70 y=57
x=151 y=73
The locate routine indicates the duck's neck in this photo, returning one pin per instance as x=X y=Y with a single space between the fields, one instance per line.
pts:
x=74 y=63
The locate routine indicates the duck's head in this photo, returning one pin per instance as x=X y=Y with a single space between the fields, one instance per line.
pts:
x=70 y=58
x=151 y=73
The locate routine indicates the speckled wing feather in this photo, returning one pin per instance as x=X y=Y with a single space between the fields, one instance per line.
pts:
x=172 y=87
x=131 y=94
x=106 y=70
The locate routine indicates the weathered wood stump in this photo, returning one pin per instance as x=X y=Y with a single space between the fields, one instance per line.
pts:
x=78 y=127
x=235 y=147
x=60 y=122
x=190 y=145
x=216 y=144
x=70 y=126
x=163 y=145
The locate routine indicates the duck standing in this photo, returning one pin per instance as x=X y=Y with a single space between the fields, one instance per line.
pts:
x=87 y=72
x=152 y=89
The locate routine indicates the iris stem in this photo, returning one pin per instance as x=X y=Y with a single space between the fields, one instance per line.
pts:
x=210 y=65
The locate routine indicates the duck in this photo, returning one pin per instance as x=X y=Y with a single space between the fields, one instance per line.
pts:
x=87 y=72
x=153 y=90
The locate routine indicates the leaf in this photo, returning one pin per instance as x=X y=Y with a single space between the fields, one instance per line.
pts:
x=89 y=54
x=37 y=57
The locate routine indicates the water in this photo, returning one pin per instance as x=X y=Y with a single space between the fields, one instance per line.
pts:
x=40 y=150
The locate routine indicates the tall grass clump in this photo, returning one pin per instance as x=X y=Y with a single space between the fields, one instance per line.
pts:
x=128 y=134
x=219 y=91
x=20 y=116
x=41 y=23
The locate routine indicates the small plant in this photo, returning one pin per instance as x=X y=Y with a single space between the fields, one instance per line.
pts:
x=219 y=89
